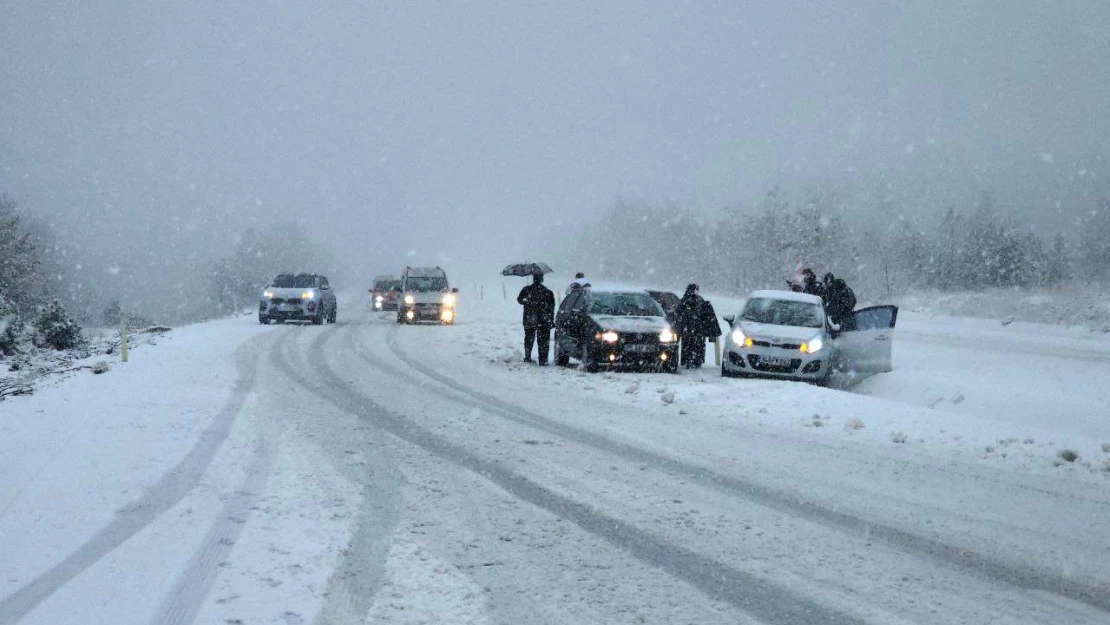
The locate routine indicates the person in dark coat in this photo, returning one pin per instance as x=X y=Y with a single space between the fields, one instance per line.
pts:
x=810 y=285
x=840 y=300
x=696 y=322
x=539 y=317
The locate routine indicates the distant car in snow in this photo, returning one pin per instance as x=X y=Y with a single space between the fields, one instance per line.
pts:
x=426 y=296
x=386 y=293
x=614 y=328
x=782 y=334
x=669 y=301
x=298 y=297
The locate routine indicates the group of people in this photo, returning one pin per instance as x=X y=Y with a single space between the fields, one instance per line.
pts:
x=839 y=298
x=694 y=320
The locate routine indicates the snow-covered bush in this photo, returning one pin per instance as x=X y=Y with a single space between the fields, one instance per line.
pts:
x=1068 y=455
x=55 y=329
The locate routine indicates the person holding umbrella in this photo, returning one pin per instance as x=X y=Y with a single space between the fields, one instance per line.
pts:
x=539 y=309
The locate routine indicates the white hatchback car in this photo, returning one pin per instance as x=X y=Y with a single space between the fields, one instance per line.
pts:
x=782 y=334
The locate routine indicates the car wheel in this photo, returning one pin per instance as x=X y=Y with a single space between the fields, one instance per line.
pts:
x=318 y=318
x=263 y=320
x=334 y=313
x=726 y=374
x=589 y=359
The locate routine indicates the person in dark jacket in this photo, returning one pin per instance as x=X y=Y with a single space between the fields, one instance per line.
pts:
x=840 y=301
x=696 y=322
x=810 y=285
x=539 y=317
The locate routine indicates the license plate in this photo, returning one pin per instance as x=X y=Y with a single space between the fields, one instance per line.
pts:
x=640 y=348
x=775 y=361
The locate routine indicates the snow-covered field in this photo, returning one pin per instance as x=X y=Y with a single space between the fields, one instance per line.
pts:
x=365 y=472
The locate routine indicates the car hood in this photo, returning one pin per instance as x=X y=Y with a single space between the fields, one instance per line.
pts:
x=791 y=334
x=623 y=324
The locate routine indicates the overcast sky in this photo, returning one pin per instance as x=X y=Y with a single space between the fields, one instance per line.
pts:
x=456 y=128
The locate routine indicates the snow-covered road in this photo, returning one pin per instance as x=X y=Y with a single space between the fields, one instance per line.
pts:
x=366 y=472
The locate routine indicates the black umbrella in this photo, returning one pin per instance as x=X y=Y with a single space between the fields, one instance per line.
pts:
x=526 y=269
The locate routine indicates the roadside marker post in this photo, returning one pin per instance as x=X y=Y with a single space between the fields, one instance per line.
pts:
x=123 y=339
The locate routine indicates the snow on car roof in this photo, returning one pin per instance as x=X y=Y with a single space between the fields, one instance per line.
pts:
x=616 y=288
x=786 y=295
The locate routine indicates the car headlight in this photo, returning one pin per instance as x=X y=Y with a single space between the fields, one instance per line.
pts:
x=268 y=294
x=449 y=299
x=608 y=336
x=813 y=345
x=739 y=340
x=308 y=295
x=667 y=336
x=410 y=300
x=379 y=299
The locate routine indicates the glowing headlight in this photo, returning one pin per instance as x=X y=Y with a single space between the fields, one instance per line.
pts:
x=740 y=340
x=268 y=294
x=308 y=295
x=379 y=299
x=812 y=346
x=609 y=336
x=449 y=299
x=410 y=300
x=447 y=316
x=667 y=336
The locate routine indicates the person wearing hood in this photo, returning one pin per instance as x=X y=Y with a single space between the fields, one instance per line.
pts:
x=539 y=318
x=840 y=300
x=696 y=322
x=579 y=281
x=810 y=285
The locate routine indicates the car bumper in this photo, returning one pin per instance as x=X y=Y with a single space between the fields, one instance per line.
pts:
x=299 y=312
x=636 y=355
x=428 y=312
x=777 y=363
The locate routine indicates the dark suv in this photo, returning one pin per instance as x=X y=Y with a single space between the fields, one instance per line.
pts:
x=298 y=297
x=614 y=328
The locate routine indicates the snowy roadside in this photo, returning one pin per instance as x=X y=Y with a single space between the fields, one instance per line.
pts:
x=939 y=400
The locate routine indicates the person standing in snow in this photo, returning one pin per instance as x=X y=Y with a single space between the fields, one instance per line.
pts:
x=579 y=281
x=539 y=318
x=697 y=321
x=840 y=301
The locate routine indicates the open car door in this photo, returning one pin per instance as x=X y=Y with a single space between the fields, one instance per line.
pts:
x=866 y=340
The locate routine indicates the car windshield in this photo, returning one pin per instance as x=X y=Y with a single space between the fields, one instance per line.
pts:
x=299 y=281
x=782 y=312
x=387 y=285
x=435 y=283
x=624 y=305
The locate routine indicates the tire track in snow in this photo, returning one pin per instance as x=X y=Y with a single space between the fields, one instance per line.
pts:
x=360 y=569
x=159 y=498
x=758 y=597
x=187 y=596
x=962 y=559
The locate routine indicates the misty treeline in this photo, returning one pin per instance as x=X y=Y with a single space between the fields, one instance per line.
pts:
x=48 y=286
x=880 y=252
x=29 y=312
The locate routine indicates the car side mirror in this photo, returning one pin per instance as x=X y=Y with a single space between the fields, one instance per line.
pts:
x=455 y=290
x=729 y=319
x=396 y=289
x=325 y=287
